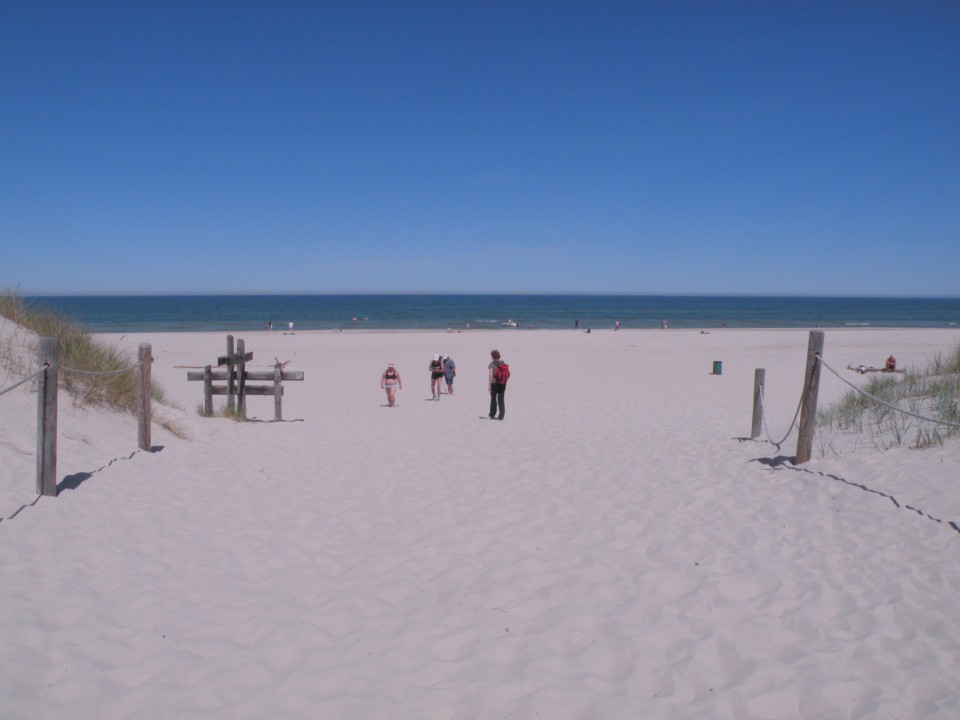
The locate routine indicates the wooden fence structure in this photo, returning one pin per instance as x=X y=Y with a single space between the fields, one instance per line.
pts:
x=808 y=399
x=48 y=381
x=236 y=375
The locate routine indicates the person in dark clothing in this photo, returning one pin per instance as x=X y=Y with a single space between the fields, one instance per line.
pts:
x=436 y=376
x=449 y=370
x=497 y=407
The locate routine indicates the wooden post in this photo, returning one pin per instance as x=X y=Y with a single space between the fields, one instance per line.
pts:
x=277 y=393
x=242 y=379
x=759 y=376
x=49 y=379
x=207 y=391
x=231 y=389
x=808 y=399
x=143 y=397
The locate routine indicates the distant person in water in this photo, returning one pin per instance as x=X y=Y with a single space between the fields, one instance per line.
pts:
x=390 y=381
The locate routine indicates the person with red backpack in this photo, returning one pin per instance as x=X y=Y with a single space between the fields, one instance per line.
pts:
x=498 y=372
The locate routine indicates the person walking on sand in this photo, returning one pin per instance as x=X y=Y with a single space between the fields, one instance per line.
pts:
x=390 y=381
x=497 y=374
x=449 y=370
x=436 y=375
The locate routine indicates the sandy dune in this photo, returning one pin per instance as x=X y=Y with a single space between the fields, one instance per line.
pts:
x=615 y=548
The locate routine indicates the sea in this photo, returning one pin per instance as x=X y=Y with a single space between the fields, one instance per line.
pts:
x=195 y=313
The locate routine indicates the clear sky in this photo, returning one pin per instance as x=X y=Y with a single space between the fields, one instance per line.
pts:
x=758 y=147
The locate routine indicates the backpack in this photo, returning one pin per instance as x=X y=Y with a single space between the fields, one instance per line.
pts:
x=502 y=373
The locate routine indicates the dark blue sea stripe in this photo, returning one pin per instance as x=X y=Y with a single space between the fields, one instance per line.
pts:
x=191 y=313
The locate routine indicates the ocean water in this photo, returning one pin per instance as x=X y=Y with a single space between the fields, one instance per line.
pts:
x=186 y=313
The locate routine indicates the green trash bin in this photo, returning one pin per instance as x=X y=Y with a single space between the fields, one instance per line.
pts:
x=718 y=367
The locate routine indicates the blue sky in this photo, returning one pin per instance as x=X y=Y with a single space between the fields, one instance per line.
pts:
x=563 y=146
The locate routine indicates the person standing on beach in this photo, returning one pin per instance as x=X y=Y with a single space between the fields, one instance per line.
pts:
x=436 y=375
x=449 y=370
x=497 y=407
x=391 y=382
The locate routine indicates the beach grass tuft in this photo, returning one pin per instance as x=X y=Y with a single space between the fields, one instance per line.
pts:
x=222 y=410
x=933 y=392
x=79 y=350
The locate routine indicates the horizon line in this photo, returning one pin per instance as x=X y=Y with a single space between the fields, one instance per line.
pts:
x=488 y=294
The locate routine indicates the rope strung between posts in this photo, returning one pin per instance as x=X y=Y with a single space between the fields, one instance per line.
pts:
x=884 y=403
x=763 y=416
x=99 y=373
x=102 y=373
x=23 y=382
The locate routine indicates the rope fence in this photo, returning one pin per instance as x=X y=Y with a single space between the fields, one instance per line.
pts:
x=807 y=412
x=100 y=373
x=22 y=382
x=807 y=408
x=766 y=429
x=47 y=378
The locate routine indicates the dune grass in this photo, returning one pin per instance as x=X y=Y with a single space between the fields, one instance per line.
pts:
x=933 y=392
x=79 y=350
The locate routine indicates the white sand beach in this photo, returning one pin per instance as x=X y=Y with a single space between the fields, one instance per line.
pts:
x=615 y=548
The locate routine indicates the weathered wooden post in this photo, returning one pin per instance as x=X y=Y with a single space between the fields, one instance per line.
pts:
x=241 y=379
x=759 y=377
x=207 y=391
x=143 y=396
x=277 y=393
x=231 y=388
x=49 y=379
x=808 y=398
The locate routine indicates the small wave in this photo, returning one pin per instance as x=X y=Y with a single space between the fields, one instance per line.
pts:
x=857 y=324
